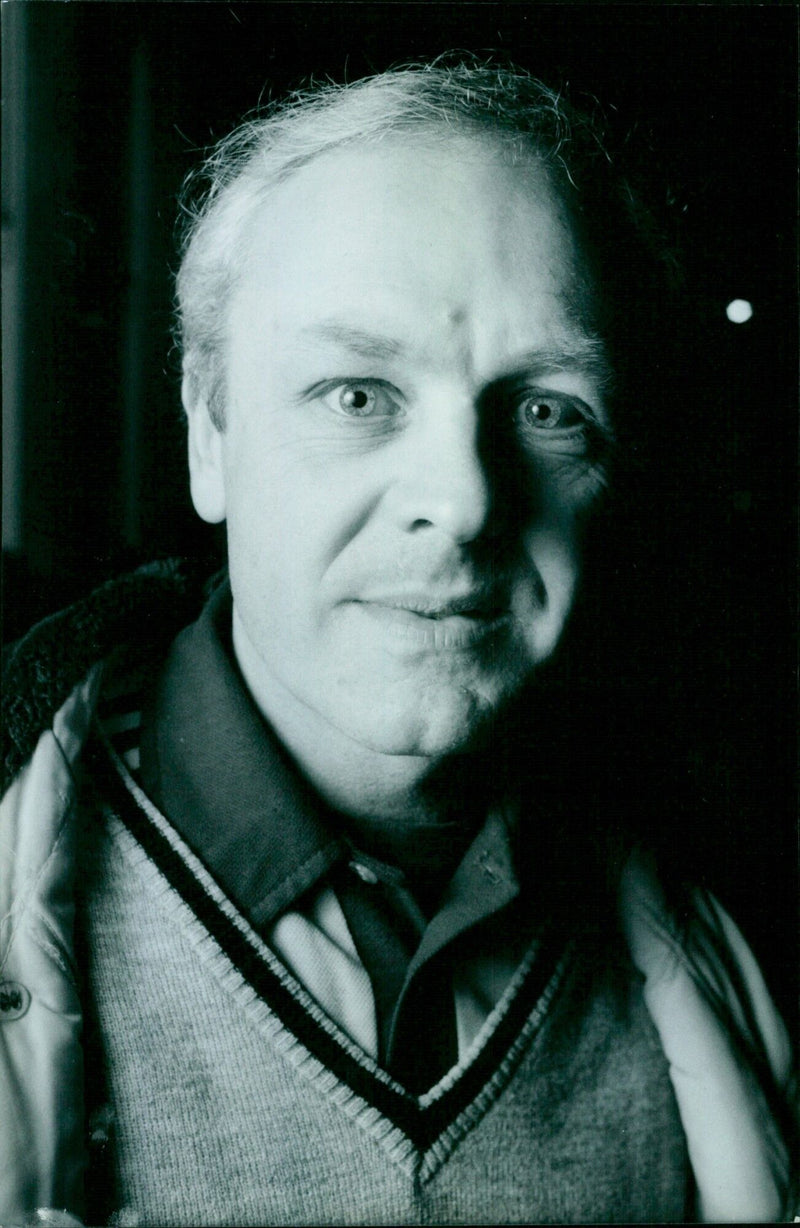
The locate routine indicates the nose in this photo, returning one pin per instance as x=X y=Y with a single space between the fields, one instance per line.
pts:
x=443 y=481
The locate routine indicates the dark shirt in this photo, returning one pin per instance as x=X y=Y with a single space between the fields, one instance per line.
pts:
x=216 y=769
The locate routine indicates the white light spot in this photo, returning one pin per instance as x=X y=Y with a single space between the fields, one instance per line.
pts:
x=739 y=311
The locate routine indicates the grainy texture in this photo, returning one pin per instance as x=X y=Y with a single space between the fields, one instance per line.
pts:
x=575 y=1121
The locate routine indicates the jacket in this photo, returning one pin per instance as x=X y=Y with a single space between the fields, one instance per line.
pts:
x=728 y=1052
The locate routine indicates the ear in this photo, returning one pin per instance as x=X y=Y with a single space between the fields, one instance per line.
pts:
x=206 y=470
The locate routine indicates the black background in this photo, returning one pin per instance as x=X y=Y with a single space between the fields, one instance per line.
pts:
x=108 y=106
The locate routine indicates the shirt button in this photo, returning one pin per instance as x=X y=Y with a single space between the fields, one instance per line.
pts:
x=14 y=1000
x=492 y=870
x=364 y=873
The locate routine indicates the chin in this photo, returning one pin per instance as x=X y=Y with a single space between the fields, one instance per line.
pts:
x=429 y=727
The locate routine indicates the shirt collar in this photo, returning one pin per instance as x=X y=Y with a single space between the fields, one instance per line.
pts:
x=216 y=769
x=214 y=766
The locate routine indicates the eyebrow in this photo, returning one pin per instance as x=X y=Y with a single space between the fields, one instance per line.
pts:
x=585 y=352
x=359 y=341
x=581 y=351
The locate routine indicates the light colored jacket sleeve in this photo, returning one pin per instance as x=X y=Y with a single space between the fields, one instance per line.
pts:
x=41 y=1067
x=729 y=1053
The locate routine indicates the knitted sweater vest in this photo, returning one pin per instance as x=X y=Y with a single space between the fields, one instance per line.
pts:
x=233 y=1099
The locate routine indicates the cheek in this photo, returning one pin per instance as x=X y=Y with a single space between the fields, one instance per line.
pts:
x=554 y=550
x=555 y=560
x=261 y=520
x=567 y=487
x=288 y=523
x=568 y=494
x=268 y=488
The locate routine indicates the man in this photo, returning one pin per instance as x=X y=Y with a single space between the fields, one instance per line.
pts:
x=346 y=953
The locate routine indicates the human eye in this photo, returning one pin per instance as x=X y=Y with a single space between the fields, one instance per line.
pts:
x=559 y=422
x=364 y=398
x=540 y=412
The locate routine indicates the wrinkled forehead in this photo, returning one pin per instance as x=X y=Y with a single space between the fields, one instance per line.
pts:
x=434 y=218
x=484 y=164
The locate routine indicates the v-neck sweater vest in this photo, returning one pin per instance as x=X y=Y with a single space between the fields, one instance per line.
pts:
x=233 y=1099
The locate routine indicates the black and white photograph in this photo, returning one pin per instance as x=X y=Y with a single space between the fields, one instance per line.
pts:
x=399 y=812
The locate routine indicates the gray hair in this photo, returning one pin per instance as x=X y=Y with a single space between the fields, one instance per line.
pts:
x=276 y=142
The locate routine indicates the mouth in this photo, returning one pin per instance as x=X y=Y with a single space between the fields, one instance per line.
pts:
x=472 y=603
x=452 y=621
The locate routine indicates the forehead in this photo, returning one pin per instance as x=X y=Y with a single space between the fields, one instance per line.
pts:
x=460 y=233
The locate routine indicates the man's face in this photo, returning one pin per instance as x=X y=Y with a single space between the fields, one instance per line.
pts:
x=414 y=404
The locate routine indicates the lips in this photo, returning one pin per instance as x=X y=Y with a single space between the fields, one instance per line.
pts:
x=431 y=621
x=477 y=604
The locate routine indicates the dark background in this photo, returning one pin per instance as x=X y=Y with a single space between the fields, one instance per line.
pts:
x=106 y=107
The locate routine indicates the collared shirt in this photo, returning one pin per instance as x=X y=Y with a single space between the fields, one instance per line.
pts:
x=349 y=926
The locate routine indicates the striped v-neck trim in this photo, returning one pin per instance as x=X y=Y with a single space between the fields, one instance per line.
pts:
x=418 y=1132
